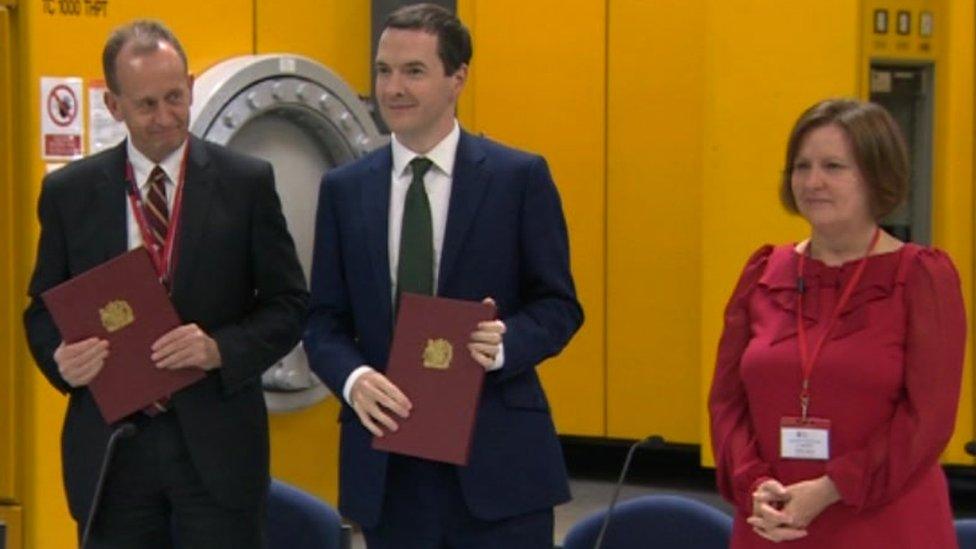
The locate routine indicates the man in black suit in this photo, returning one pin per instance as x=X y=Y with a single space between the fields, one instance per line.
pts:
x=198 y=462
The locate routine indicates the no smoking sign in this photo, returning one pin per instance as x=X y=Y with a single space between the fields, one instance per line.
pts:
x=62 y=105
x=61 y=123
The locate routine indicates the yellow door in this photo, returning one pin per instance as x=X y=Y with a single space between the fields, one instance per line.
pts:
x=8 y=316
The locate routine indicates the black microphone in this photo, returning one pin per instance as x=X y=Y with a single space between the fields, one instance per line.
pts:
x=124 y=430
x=653 y=441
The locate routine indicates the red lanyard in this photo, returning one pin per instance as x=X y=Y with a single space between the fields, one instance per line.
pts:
x=807 y=360
x=162 y=258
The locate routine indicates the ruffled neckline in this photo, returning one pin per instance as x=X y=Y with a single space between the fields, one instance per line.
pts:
x=780 y=272
x=847 y=264
x=882 y=273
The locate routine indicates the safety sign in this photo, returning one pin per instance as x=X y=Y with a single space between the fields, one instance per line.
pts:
x=62 y=124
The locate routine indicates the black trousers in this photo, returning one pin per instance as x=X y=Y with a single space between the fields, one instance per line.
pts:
x=425 y=509
x=155 y=499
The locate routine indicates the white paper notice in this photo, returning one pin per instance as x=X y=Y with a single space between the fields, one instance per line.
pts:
x=103 y=130
x=61 y=120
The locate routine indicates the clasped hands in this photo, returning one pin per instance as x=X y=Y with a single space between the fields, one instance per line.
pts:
x=377 y=400
x=186 y=346
x=782 y=513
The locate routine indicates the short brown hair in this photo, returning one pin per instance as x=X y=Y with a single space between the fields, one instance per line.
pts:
x=147 y=34
x=453 y=39
x=877 y=145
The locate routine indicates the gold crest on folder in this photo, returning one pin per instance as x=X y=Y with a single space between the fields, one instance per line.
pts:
x=116 y=315
x=438 y=354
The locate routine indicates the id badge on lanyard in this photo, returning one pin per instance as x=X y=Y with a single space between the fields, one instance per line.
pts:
x=808 y=437
x=801 y=438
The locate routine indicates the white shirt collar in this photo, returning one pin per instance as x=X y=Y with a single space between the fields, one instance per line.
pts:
x=142 y=166
x=442 y=154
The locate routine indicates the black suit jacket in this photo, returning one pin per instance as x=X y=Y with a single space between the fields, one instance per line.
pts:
x=237 y=276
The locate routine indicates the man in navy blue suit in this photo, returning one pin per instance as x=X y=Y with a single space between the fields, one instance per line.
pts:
x=444 y=212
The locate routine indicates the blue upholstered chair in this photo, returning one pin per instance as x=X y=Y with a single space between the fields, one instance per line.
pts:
x=659 y=521
x=966 y=533
x=299 y=520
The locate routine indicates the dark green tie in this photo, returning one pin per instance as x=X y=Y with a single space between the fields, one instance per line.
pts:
x=415 y=272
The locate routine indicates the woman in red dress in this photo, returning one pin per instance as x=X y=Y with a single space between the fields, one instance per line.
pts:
x=838 y=371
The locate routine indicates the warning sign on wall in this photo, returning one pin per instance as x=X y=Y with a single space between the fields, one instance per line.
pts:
x=62 y=124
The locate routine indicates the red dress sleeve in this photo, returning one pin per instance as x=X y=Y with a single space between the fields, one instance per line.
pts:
x=737 y=462
x=923 y=420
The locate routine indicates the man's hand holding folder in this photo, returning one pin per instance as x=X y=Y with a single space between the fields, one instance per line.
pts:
x=110 y=318
x=436 y=365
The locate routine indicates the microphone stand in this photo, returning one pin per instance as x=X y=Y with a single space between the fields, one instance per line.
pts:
x=653 y=441
x=124 y=430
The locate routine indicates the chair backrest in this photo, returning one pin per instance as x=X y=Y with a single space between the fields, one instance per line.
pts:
x=658 y=521
x=295 y=520
x=299 y=520
x=966 y=533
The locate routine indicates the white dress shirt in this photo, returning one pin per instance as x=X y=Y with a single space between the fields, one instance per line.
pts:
x=437 y=182
x=141 y=168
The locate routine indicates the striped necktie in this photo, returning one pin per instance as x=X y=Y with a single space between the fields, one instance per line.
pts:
x=157 y=208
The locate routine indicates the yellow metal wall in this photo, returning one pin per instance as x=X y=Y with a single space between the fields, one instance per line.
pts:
x=8 y=296
x=538 y=84
x=954 y=177
x=334 y=32
x=655 y=108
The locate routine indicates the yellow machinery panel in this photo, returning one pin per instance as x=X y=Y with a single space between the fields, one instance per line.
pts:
x=953 y=181
x=655 y=83
x=941 y=34
x=8 y=296
x=336 y=33
x=538 y=84
x=904 y=29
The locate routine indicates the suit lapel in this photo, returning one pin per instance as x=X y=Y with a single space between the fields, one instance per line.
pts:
x=111 y=230
x=197 y=194
x=375 y=200
x=469 y=181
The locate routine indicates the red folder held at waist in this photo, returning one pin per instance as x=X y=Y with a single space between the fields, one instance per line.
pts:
x=431 y=364
x=123 y=302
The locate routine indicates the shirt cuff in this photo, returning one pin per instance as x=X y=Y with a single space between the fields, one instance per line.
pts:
x=499 y=359
x=351 y=380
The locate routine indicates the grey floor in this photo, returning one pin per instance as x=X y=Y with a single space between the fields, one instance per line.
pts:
x=590 y=496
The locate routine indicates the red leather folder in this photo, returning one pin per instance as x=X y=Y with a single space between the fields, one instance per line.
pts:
x=122 y=301
x=431 y=364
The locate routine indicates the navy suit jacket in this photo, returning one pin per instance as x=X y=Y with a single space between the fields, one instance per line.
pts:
x=237 y=277
x=505 y=238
